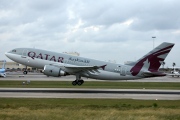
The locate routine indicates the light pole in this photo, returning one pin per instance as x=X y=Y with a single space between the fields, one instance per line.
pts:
x=153 y=40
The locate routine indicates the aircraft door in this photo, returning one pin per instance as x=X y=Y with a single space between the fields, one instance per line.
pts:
x=123 y=71
x=24 y=53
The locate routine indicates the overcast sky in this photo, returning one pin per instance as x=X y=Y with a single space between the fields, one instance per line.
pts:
x=118 y=30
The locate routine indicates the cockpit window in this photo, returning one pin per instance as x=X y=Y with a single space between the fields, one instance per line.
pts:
x=13 y=50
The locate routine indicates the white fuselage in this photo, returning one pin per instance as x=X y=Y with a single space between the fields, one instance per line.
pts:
x=40 y=58
x=59 y=64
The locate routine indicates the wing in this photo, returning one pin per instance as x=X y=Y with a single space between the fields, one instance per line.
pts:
x=79 y=69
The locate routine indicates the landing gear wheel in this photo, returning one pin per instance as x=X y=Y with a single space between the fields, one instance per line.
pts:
x=25 y=72
x=74 y=83
x=79 y=83
x=82 y=81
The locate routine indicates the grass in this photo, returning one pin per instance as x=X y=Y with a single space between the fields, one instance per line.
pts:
x=92 y=84
x=88 y=109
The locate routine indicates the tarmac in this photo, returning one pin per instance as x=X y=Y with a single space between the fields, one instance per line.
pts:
x=41 y=77
x=143 y=94
x=90 y=93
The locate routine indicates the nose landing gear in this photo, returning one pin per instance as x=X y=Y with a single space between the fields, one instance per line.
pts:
x=25 y=71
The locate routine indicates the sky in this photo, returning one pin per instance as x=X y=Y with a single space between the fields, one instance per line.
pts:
x=119 y=30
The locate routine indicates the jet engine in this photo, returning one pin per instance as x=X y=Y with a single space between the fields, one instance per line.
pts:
x=50 y=70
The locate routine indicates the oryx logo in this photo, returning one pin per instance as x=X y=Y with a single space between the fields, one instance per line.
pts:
x=152 y=61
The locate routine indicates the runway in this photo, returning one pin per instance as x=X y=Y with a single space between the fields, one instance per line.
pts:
x=86 y=93
x=41 y=77
x=90 y=93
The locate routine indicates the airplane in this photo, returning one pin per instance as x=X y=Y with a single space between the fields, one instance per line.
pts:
x=3 y=70
x=60 y=64
x=174 y=73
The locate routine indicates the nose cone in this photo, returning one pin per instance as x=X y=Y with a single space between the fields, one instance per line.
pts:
x=7 y=54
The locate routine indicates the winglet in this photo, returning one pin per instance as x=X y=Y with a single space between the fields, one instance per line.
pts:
x=103 y=67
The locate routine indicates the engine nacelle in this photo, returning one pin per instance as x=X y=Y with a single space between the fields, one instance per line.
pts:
x=50 y=70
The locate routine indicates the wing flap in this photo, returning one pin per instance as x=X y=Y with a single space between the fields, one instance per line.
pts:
x=77 y=69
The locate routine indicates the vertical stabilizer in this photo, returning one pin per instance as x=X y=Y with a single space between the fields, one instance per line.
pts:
x=152 y=61
x=4 y=64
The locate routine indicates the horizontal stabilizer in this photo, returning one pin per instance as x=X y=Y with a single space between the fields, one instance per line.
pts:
x=153 y=74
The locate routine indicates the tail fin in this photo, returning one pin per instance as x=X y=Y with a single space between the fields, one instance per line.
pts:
x=152 y=61
x=4 y=63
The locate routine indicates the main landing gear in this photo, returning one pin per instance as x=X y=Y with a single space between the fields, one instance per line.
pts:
x=78 y=80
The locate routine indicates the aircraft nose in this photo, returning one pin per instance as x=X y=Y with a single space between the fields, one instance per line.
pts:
x=7 y=54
